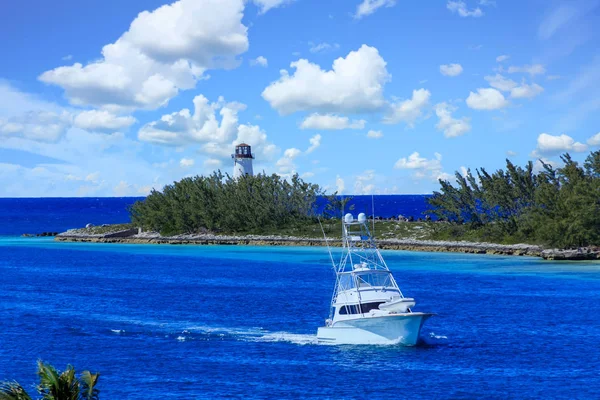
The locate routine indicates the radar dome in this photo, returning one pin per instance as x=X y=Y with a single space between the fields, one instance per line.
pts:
x=362 y=218
x=348 y=218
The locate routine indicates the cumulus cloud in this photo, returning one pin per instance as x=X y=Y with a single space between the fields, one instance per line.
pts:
x=594 y=140
x=535 y=69
x=363 y=183
x=422 y=167
x=286 y=165
x=203 y=126
x=502 y=58
x=374 y=134
x=315 y=142
x=331 y=122
x=340 y=185
x=409 y=110
x=460 y=7
x=102 y=120
x=486 y=99
x=548 y=145
x=501 y=83
x=368 y=7
x=526 y=91
x=451 y=69
x=354 y=84
x=259 y=61
x=451 y=127
x=186 y=162
x=164 y=51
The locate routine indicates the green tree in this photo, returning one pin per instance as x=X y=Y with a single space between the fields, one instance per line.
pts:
x=55 y=385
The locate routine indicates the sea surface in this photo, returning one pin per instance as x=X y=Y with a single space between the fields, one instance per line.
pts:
x=209 y=322
x=37 y=215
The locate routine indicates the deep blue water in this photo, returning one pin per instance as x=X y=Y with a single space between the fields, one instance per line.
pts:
x=36 y=215
x=189 y=322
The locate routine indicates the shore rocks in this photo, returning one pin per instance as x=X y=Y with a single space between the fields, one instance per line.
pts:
x=132 y=236
x=582 y=253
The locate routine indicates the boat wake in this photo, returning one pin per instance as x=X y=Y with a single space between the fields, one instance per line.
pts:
x=207 y=333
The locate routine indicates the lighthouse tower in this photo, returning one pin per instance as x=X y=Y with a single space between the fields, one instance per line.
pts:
x=242 y=160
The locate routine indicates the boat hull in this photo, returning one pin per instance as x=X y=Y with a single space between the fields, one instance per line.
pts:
x=390 y=329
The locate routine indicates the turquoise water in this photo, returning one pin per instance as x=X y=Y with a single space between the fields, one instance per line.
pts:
x=231 y=321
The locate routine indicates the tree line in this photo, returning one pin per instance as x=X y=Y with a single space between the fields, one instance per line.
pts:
x=554 y=206
x=219 y=202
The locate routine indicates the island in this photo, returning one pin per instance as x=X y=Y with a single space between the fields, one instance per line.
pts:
x=548 y=212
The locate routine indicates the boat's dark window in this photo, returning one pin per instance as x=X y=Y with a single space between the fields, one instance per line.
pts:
x=364 y=308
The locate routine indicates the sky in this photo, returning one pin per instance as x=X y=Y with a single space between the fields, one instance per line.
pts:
x=114 y=98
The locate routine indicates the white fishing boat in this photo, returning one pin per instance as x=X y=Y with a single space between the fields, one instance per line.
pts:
x=367 y=306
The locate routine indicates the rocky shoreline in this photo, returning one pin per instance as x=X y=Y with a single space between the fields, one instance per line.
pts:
x=133 y=237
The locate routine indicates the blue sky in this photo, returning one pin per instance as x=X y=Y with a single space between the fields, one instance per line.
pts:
x=113 y=98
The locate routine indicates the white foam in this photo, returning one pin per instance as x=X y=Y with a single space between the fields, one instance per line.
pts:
x=181 y=338
x=117 y=331
x=294 y=338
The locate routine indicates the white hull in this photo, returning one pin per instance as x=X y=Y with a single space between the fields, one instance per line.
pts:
x=389 y=329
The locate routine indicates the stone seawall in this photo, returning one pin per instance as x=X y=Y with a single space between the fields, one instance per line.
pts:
x=256 y=240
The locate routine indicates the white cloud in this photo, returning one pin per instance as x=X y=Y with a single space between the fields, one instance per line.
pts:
x=340 y=186
x=526 y=91
x=363 y=183
x=286 y=165
x=368 y=7
x=218 y=137
x=259 y=61
x=186 y=162
x=68 y=57
x=408 y=110
x=101 y=120
x=323 y=47
x=266 y=5
x=594 y=140
x=535 y=69
x=354 y=84
x=315 y=142
x=461 y=9
x=451 y=69
x=452 y=127
x=45 y=126
x=374 y=134
x=502 y=58
x=486 y=99
x=212 y=163
x=331 y=122
x=511 y=153
x=163 y=52
x=551 y=145
x=501 y=83
x=422 y=167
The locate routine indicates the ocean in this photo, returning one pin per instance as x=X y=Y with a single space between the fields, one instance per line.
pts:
x=37 y=215
x=211 y=322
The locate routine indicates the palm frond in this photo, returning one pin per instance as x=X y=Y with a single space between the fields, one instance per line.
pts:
x=13 y=391
x=88 y=383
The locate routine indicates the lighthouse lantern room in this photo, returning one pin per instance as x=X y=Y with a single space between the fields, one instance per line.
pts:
x=242 y=160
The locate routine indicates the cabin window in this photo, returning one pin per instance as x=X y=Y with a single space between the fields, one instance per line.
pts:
x=346 y=282
x=362 y=309
x=368 y=280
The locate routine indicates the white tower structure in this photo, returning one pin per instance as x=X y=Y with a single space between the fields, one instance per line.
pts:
x=242 y=160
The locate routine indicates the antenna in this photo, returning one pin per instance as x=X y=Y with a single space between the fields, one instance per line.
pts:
x=327 y=243
x=373 y=209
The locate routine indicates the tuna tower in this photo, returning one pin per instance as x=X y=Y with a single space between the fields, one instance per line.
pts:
x=242 y=160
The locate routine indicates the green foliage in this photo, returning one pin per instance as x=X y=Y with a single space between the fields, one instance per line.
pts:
x=221 y=203
x=559 y=207
x=55 y=385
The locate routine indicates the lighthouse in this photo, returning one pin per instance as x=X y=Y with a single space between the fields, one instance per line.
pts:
x=242 y=160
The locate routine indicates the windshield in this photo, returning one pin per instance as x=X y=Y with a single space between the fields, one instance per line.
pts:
x=374 y=279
